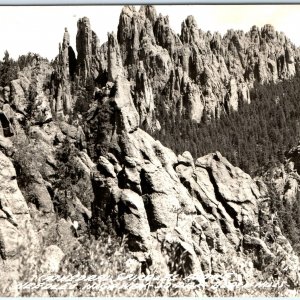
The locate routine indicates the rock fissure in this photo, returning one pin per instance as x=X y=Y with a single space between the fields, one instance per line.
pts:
x=231 y=212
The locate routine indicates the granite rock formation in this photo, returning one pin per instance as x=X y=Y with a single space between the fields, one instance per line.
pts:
x=97 y=166
x=285 y=177
x=88 y=49
x=200 y=75
x=206 y=208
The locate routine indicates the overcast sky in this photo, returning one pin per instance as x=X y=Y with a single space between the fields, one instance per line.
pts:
x=40 y=29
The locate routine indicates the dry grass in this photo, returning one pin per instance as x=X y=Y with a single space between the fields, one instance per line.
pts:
x=109 y=258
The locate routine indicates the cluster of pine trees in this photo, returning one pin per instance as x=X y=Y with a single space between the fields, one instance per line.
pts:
x=255 y=136
x=9 y=67
x=8 y=70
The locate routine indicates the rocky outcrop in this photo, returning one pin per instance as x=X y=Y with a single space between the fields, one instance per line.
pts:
x=195 y=75
x=81 y=70
x=285 y=177
x=144 y=100
x=224 y=68
x=76 y=175
x=27 y=98
x=19 y=89
x=16 y=227
x=62 y=103
x=115 y=67
x=208 y=209
x=88 y=49
x=28 y=194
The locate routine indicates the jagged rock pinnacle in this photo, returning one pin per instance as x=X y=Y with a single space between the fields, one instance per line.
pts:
x=115 y=67
x=84 y=46
x=66 y=39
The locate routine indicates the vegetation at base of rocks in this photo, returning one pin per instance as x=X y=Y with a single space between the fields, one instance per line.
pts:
x=100 y=130
x=115 y=274
x=254 y=137
x=67 y=178
x=106 y=256
x=70 y=181
x=105 y=121
x=84 y=95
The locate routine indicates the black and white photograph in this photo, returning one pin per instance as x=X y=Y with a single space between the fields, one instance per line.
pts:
x=150 y=150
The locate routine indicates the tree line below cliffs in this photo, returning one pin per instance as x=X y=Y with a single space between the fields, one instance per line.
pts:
x=252 y=138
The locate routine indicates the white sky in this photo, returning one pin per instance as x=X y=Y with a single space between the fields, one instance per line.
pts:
x=40 y=29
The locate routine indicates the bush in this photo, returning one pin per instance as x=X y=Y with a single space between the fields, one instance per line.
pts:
x=106 y=261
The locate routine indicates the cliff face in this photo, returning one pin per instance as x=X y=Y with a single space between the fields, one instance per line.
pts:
x=88 y=49
x=206 y=208
x=195 y=75
x=285 y=177
x=102 y=168
x=199 y=75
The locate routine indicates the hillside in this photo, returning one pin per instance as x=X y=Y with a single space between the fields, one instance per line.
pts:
x=84 y=189
x=253 y=138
